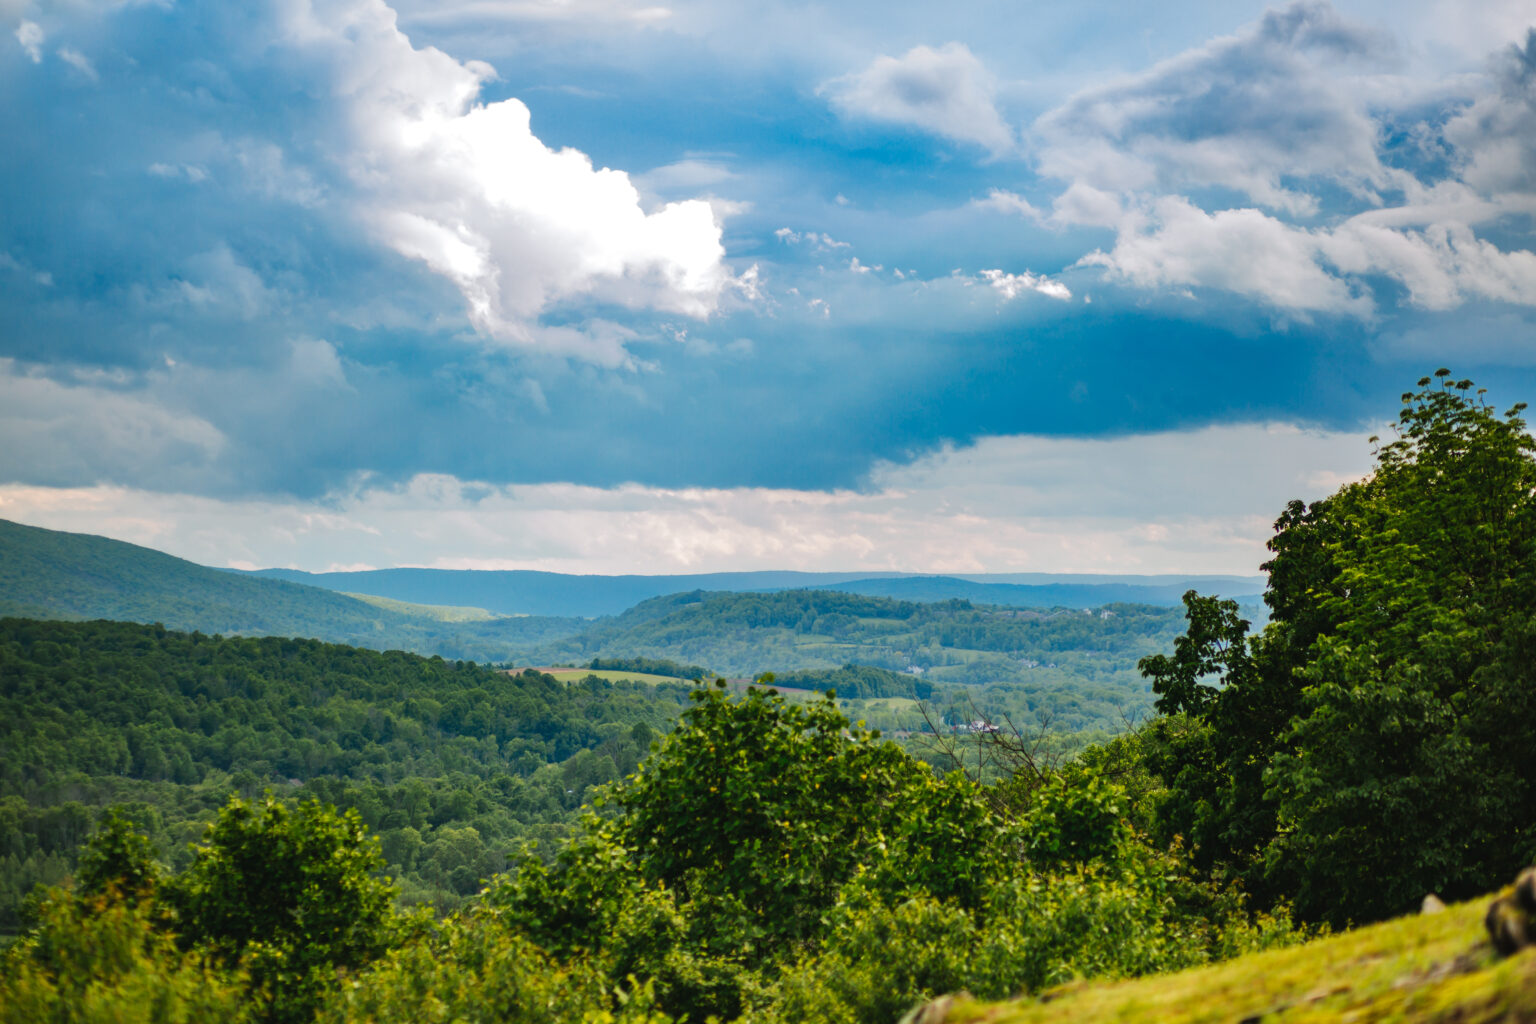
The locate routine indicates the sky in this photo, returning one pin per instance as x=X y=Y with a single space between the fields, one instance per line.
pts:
x=608 y=286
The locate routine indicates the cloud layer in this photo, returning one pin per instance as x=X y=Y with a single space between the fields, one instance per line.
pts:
x=1186 y=502
x=619 y=272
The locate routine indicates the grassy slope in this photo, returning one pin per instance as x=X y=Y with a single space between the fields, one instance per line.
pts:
x=1436 y=967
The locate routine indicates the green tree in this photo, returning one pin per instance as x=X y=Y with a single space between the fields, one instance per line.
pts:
x=1373 y=743
x=291 y=893
x=1408 y=763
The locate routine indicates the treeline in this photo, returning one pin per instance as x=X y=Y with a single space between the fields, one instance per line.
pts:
x=650 y=666
x=1376 y=742
x=858 y=682
x=454 y=765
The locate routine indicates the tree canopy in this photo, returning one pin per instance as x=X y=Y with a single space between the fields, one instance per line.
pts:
x=1375 y=742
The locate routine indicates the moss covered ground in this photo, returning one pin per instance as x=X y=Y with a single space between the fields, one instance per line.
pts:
x=1422 y=968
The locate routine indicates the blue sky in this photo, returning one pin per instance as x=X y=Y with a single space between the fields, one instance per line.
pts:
x=593 y=285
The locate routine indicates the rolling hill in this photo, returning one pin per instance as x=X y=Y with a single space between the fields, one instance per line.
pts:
x=47 y=574
x=525 y=592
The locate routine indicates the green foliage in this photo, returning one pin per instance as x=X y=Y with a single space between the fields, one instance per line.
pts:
x=880 y=958
x=1373 y=744
x=452 y=764
x=765 y=805
x=291 y=894
x=106 y=961
x=473 y=970
x=858 y=682
x=1077 y=823
x=118 y=860
x=730 y=846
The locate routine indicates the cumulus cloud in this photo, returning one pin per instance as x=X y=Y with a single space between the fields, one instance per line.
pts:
x=1245 y=112
x=1294 y=117
x=1011 y=286
x=1495 y=137
x=944 y=90
x=1242 y=251
x=468 y=189
x=1175 y=501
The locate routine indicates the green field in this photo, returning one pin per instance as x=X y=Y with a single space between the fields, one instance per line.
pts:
x=571 y=675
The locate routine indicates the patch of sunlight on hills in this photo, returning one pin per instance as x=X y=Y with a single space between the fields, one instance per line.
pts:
x=436 y=612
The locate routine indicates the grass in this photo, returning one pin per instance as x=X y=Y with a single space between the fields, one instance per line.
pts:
x=1415 y=970
x=435 y=612
x=568 y=675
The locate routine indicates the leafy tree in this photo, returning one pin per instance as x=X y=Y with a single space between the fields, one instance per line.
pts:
x=291 y=893
x=118 y=860
x=734 y=840
x=1373 y=743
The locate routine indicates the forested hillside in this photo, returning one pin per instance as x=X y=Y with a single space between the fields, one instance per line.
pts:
x=1077 y=666
x=47 y=574
x=528 y=592
x=453 y=765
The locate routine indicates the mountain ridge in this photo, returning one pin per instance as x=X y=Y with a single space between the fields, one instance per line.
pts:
x=537 y=592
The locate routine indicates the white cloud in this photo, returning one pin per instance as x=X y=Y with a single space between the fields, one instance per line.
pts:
x=79 y=61
x=945 y=91
x=1169 y=502
x=1004 y=201
x=1011 y=286
x=1298 y=107
x=1245 y=112
x=818 y=241
x=1176 y=243
x=466 y=188
x=597 y=11
x=1172 y=242
x=30 y=35
x=1495 y=137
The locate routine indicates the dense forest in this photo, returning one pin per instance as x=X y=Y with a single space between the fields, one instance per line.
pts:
x=451 y=764
x=772 y=861
x=952 y=641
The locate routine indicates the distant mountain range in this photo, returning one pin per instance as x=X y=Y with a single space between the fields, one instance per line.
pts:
x=736 y=623
x=527 y=592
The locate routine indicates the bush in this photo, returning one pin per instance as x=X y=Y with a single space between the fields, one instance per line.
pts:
x=105 y=961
